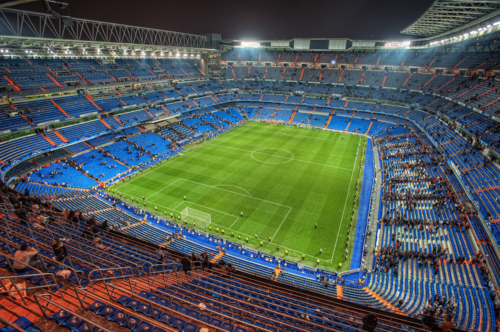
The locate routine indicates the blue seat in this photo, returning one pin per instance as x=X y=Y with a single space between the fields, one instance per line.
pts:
x=133 y=304
x=96 y=307
x=133 y=322
x=73 y=322
x=178 y=323
x=166 y=318
x=157 y=329
x=239 y=329
x=194 y=314
x=144 y=294
x=143 y=327
x=153 y=298
x=32 y=328
x=108 y=311
x=204 y=318
x=85 y=328
x=123 y=299
x=61 y=316
x=190 y=327
x=118 y=317
x=144 y=309
x=22 y=322
x=183 y=310
x=216 y=322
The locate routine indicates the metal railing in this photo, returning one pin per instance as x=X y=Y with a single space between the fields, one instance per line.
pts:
x=91 y=325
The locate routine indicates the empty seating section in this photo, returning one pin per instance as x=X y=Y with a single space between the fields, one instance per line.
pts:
x=101 y=140
x=152 y=143
x=127 y=154
x=79 y=147
x=132 y=117
x=85 y=129
x=61 y=174
x=99 y=166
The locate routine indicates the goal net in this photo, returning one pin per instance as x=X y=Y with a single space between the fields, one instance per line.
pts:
x=200 y=219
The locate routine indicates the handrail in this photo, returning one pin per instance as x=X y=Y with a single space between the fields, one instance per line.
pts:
x=48 y=298
x=35 y=243
x=222 y=294
x=101 y=270
x=288 y=291
x=60 y=221
x=50 y=260
x=43 y=274
x=11 y=325
x=126 y=311
x=231 y=320
x=86 y=253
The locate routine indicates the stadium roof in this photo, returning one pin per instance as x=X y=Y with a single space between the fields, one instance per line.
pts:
x=445 y=15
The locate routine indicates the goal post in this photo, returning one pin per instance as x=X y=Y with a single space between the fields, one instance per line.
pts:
x=201 y=219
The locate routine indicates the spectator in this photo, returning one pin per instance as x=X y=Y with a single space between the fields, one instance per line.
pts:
x=370 y=322
x=104 y=227
x=24 y=258
x=205 y=263
x=230 y=270
x=21 y=213
x=195 y=260
x=60 y=250
x=446 y=325
x=186 y=264
x=429 y=321
x=160 y=255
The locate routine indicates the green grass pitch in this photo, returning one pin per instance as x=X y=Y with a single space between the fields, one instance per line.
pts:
x=284 y=179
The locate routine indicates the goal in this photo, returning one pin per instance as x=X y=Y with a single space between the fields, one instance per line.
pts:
x=202 y=219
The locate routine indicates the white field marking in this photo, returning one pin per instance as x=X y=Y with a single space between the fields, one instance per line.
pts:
x=269 y=154
x=234 y=222
x=175 y=208
x=325 y=139
x=281 y=224
x=346 y=199
x=251 y=236
x=263 y=200
x=174 y=159
x=228 y=185
x=211 y=209
x=304 y=161
x=162 y=189
x=334 y=136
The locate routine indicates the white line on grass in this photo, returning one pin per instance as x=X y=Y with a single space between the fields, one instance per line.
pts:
x=234 y=222
x=304 y=161
x=325 y=139
x=228 y=185
x=162 y=189
x=263 y=200
x=250 y=236
x=175 y=208
x=334 y=136
x=346 y=199
x=174 y=159
x=281 y=224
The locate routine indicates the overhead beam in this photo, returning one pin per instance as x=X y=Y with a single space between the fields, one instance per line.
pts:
x=17 y=23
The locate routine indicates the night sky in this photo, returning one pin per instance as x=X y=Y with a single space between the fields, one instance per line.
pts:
x=256 y=19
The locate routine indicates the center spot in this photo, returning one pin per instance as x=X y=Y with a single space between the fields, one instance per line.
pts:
x=272 y=156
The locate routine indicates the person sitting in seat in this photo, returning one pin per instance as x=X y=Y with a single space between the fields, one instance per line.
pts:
x=24 y=258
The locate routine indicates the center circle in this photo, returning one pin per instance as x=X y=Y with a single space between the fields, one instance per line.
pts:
x=272 y=156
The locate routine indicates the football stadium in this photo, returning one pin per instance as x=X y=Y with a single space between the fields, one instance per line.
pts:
x=154 y=180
